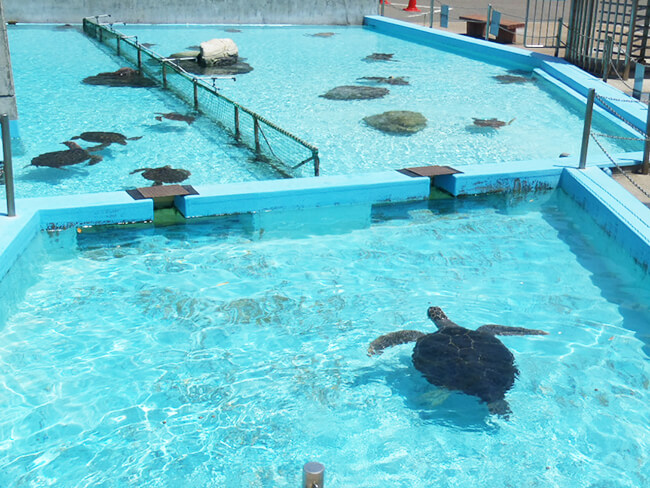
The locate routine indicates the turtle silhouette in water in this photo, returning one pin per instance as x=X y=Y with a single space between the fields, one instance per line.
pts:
x=121 y=77
x=175 y=116
x=164 y=174
x=387 y=80
x=321 y=34
x=509 y=79
x=474 y=362
x=105 y=139
x=492 y=123
x=379 y=57
x=73 y=155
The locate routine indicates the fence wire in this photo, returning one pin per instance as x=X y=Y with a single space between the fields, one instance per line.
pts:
x=289 y=155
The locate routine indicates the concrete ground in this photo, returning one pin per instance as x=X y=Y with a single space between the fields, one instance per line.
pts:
x=637 y=184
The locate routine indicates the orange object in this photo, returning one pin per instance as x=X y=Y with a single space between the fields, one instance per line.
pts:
x=412 y=6
x=385 y=2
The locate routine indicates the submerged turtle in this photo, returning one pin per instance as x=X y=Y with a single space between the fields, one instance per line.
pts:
x=105 y=139
x=164 y=174
x=73 y=155
x=175 y=116
x=472 y=361
x=492 y=123
x=379 y=57
x=121 y=77
x=387 y=80
x=399 y=122
x=322 y=34
x=507 y=79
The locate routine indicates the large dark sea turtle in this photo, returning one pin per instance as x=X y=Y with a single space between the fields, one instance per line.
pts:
x=73 y=155
x=472 y=361
x=164 y=174
x=355 y=92
x=398 y=122
x=175 y=116
x=105 y=138
x=121 y=77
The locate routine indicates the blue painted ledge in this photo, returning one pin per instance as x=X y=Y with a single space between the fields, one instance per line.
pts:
x=621 y=215
x=372 y=188
x=35 y=214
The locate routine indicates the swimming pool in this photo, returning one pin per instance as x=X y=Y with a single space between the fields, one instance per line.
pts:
x=286 y=89
x=228 y=352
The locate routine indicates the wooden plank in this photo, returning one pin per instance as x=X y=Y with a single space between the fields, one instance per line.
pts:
x=161 y=191
x=429 y=171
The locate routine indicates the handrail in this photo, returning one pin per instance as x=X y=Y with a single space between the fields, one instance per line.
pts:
x=8 y=166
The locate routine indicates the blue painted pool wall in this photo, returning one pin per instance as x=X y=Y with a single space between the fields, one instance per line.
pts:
x=372 y=188
x=36 y=214
x=620 y=214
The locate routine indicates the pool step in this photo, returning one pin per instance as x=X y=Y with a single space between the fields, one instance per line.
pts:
x=162 y=195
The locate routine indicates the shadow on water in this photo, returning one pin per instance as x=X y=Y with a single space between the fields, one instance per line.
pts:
x=432 y=404
x=162 y=128
x=613 y=271
x=52 y=176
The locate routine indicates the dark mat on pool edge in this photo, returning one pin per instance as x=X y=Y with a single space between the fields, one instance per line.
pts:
x=429 y=171
x=161 y=191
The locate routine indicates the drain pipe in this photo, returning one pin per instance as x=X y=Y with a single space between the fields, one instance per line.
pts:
x=313 y=475
x=8 y=165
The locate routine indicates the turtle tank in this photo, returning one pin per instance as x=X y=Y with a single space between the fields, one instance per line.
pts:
x=231 y=351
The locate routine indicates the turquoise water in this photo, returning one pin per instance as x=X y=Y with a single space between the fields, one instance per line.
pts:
x=54 y=106
x=292 y=68
x=229 y=352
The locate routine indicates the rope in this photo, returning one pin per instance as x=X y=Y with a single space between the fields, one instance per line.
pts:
x=623 y=138
x=593 y=135
x=614 y=112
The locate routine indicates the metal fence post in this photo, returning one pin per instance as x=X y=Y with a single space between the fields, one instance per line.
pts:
x=489 y=21
x=607 y=56
x=237 y=134
x=645 y=167
x=8 y=165
x=431 y=16
x=558 y=41
x=256 y=129
x=587 y=128
x=196 y=93
x=139 y=59
x=164 y=74
x=313 y=475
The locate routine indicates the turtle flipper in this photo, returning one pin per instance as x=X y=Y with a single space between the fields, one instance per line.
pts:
x=393 y=339
x=504 y=330
x=500 y=408
x=98 y=147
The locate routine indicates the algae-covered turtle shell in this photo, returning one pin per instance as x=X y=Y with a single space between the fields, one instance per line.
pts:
x=400 y=122
x=355 y=92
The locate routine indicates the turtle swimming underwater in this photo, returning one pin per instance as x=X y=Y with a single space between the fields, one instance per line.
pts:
x=492 y=123
x=105 y=139
x=164 y=174
x=73 y=155
x=175 y=116
x=379 y=57
x=472 y=361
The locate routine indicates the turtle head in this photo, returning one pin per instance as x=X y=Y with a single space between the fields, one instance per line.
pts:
x=438 y=317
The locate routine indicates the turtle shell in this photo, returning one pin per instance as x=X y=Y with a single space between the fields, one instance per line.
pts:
x=466 y=360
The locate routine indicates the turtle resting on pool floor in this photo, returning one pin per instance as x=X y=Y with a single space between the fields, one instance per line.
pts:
x=472 y=361
x=492 y=123
x=164 y=174
x=73 y=155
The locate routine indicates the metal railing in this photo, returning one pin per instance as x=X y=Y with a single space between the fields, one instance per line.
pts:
x=7 y=166
x=286 y=153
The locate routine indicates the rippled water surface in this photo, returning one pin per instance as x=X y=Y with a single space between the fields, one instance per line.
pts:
x=230 y=352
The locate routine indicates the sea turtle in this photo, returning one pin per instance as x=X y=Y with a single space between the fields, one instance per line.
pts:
x=120 y=77
x=388 y=80
x=321 y=34
x=492 y=123
x=73 y=155
x=105 y=139
x=508 y=79
x=164 y=174
x=175 y=116
x=472 y=361
x=379 y=57
x=355 y=92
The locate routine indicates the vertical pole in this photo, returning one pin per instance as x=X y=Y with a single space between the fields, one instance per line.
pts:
x=645 y=167
x=8 y=165
x=196 y=94
x=489 y=21
x=256 y=129
x=607 y=57
x=313 y=475
x=316 y=163
x=118 y=44
x=558 y=41
x=237 y=134
x=139 y=59
x=382 y=2
x=164 y=75
x=630 y=37
x=586 y=132
x=431 y=16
